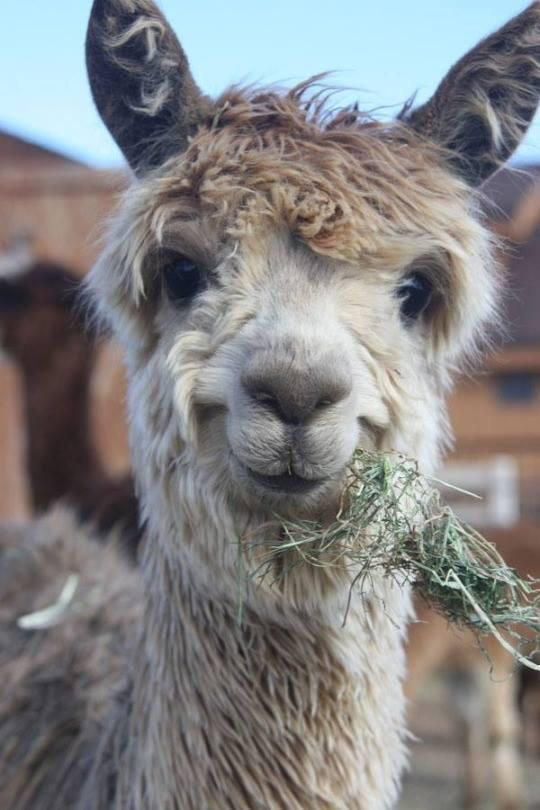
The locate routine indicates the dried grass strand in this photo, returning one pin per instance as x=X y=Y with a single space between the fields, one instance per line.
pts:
x=392 y=519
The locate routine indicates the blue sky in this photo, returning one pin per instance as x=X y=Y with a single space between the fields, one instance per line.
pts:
x=385 y=49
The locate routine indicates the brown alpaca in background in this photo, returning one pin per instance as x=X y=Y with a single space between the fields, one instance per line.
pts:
x=43 y=334
x=43 y=331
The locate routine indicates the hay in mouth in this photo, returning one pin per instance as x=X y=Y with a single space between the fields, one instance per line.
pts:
x=392 y=520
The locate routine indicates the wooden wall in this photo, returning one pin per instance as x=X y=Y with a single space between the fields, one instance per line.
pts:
x=14 y=495
x=486 y=425
x=60 y=209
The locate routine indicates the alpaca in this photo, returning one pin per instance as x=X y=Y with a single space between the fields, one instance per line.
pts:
x=287 y=285
x=45 y=337
x=43 y=331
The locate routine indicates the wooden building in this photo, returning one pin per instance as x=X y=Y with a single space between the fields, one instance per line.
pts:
x=496 y=412
x=53 y=201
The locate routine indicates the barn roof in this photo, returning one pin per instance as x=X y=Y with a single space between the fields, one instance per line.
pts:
x=16 y=150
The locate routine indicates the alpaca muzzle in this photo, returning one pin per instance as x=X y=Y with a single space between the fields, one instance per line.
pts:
x=291 y=429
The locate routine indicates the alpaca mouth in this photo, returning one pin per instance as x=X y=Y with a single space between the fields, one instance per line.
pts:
x=286 y=483
x=280 y=488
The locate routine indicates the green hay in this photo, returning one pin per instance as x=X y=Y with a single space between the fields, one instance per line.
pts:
x=392 y=520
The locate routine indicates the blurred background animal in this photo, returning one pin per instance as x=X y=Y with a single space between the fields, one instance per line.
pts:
x=45 y=331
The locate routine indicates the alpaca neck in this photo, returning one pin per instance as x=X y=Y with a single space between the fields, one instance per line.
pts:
x=61 y=459
x=277 y=711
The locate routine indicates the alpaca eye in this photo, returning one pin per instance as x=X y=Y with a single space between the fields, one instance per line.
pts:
x=415 y=294
x=183 y=279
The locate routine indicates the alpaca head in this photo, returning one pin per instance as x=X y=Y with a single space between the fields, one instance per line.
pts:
x=291 y=283
x=38 y=315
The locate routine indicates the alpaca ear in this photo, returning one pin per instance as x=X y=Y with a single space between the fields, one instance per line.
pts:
x=484 y=106
x=141 y=82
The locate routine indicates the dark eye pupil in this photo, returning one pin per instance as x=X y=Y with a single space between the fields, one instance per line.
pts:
x=183 y=280
x=415 y=295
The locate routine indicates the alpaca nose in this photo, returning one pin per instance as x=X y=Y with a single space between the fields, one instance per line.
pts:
x=293 y=394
